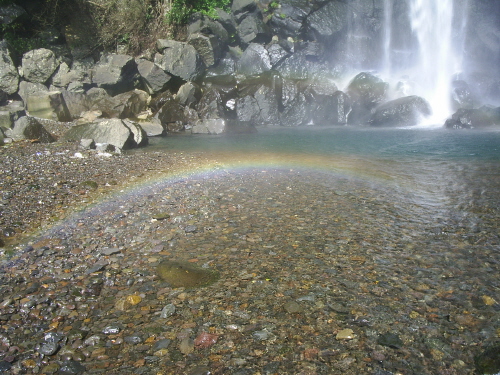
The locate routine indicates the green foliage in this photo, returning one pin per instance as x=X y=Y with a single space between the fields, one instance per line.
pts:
x=182 y=9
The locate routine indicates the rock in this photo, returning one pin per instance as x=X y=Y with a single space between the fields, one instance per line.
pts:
x=297 y=66
x=188 y=94
x=391 y=340
x=462 y=95
x=209 y=126
x=49 y=105
x=239 y=7
x=71 y=368
x=126 y=105
x=488 y=362
x=328 y=20
x=345 y=334
x=293 y=307
x=171 y=110
x=76 y=103
x=179 y=59
x=276 y=53
x=9 y=77
x=366 y=92
x=167 y=311
x=255 y=60
x=38 y=65
x=287 y=20
x=202 y=24
x=247 y=109
x=155 y=79
x=10 y=113
x=29 y=128
x=296 y=112
x=207 y=46
x=483 y=117
x=406 y=111
x=140 y=137
x=10 y=13
x=116 y=132
x=210 y=105
x=185 y=274
x=115 y=73
x=252 y=29
x=267 y=101
x=152 y=127
x=64 y=75
x=27 y=89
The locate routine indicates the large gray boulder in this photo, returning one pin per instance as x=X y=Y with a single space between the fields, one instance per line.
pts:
x=406 y=111
x=188 y=94
x=49 y=105
x=77 y=72
x=179 y=59
x=38 y=65
x=479 y=118
x=155 y=79
x=115 y=73
x=27 y=89
x=296 y=112
x=28 y=127
x=119 y=133
x=9 y=77
x=366 y=92
x=288 y=18
x=254 y=60
x=126 y=105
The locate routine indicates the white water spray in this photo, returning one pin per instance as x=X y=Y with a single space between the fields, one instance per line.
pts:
x=432 y=23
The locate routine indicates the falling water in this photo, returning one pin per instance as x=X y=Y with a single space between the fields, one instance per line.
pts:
x=432 y=22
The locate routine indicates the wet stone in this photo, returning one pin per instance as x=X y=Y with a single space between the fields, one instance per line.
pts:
x=49 y=348
x=391 y=340
x=488 y=362
x=72 y=368
x=185 y=274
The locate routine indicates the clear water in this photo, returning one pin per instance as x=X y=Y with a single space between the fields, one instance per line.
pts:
x=437 y=172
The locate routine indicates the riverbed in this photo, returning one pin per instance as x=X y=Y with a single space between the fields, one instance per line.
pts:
x=338 y=250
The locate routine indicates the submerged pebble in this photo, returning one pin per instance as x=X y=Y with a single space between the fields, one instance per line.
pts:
x=184 y=274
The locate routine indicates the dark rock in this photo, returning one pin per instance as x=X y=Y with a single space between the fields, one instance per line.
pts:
x=391 y=340
x=76 y=103
x=179 y=59
x=10 y=13
x=488 y=362
x=211 y=105
x=406 y=111
x=366 y=92
x=171 y=110
x=247 y=109
x=223 y=72
x=188 y=94
x=483 y=117
x=267 y=101
x=296 y=112
x=255 y=60
x=29 y=128
x=115 y=73
x=252 y=28
x=299 y=66
x=329 y=19
x=201 y=24
x=276 y=53
x=243 y=6
x=154 y=78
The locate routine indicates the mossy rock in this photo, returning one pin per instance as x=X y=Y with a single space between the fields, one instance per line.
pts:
x=185 y=274
x=91 y=185
x=488 y=362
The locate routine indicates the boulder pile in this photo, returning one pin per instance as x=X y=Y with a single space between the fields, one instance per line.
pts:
x=257 y=65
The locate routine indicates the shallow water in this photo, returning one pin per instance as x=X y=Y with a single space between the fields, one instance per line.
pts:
x=328 y=243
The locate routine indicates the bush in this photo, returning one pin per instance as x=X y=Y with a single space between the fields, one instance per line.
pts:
x=182 y=9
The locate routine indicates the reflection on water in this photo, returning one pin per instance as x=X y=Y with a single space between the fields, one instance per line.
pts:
x=440 y=171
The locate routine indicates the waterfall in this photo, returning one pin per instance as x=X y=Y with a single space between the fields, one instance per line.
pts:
x=431 y=22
